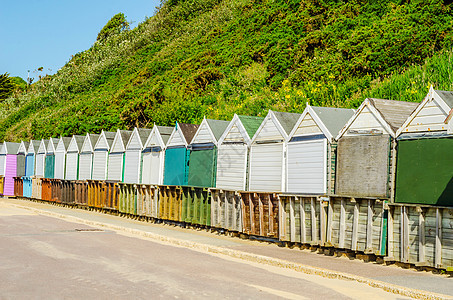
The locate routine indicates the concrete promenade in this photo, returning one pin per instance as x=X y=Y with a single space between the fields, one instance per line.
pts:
x=401 y=282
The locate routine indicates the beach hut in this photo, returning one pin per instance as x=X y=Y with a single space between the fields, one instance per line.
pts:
x=267 y=152
x=100 y=155
x=116 y=155
x=424 y=173
x=233 y=152
x=41 y=157
x=49 y=164
x=8 y=154
x=21 y=157
x=72 y=157
x=32 y=150
x=203 y=153
x=60 y=157
x=177 y=155
x=86 y=156
x=310 y=163
x=133 y=155
x=366 y=148
x=154 y=154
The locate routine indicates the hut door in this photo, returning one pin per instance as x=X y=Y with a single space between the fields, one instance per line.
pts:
x=231 y=166
x=71 y=166
x=307 y=166
x=30 y=165
x=59 y=165
x=175 y=166
x=202 y=167
x=99 y=164
x=115 y=166
x=49 y=170
x=266 y=167
x=85 y=166
x=132 y=166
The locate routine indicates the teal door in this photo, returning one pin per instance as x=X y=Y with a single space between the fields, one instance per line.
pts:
x=49 y=166
x=175 y=168
x=202 y=167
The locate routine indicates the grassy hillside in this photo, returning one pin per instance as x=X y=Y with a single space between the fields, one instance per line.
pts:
x=220 y=57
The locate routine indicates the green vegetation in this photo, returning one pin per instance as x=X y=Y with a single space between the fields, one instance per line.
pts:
x=220 y=57
x=6 y=86
x=116 y=24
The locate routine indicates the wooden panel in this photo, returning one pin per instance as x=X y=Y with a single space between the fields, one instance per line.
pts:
x=430 y=118
x=266 y=167
x=307 y=126
x=176 y=140
x=85 y=166
x=115 y=166
x=366 y=121
x=269 y=132
x=203 y=135
x=363 y=166
x=231 y=164
x=132 y=166
x=99 y=165
x=72 y=161
x=234 y=135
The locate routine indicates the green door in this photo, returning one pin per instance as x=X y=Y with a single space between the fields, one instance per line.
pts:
x=175 y=168
x=202 y=167
x=424 y=172
x=49 y=166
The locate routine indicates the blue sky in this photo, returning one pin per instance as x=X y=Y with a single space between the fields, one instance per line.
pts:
x=46 y=33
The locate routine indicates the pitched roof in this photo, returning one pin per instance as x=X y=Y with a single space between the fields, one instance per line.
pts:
x=217 y=127
x=143 y=134
x=333 y=118
x=251 y=124
x=79 y=140
x=165 y=132
x=447 y=96
x=125 y=136
x=287 y=120
x=109 y=136
x=188 y=130
x=35 y=145
x=10 y=148
x=394 y=112
x=66 y=141
x=93 y=138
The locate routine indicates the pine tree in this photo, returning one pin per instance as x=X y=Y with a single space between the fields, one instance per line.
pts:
x=6 y=86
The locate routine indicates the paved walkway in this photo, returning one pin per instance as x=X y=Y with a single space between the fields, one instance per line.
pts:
x=327 y=266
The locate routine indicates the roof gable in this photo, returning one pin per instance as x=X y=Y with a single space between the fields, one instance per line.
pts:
x=378 y=115
x=272 y=129
x=236 y=132
x=76 y=143
x=430 y=114
x=120 y=140
x=165 y=132
x=52 y=145
x=9 y=148
x=251 y=124
x=33 y=146
x=138 y=138
x=182 y=134
x=23 y=147
x=105 y=140
x=156 y=138
x=209 y=131
x=89 y=142
x=321 y=120
x=63 y=144
x=42 y=147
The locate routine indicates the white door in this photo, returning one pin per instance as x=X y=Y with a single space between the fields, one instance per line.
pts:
x=307 y=166
x=40 y=164
x=115 y=167
x=132 y=166
x=99 y=165
x=231 y=166
x=59 y=165
x=152 y=167
x=2 y=164
x=266 y=167
x=85 y=166
x=71 y=166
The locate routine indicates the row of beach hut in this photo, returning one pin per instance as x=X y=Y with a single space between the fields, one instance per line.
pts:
x=385 y=149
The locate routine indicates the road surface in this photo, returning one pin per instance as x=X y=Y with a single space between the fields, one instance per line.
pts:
x=45 y=257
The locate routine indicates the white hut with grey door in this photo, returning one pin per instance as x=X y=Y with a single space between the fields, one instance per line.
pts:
x=72 y=157
x=60 y=157
x=133 y=155
x=366 y=153
x=267 y=152
x=310 y=163
x=21 y=157
x=152 y=171
x=233 y=152
x=101 y=155
x=41 y=157
x=115 y=169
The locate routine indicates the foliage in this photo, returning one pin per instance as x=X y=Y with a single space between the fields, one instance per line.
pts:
x=115 y=25
x=215 y=58
x=19 y=82
x=6 y=86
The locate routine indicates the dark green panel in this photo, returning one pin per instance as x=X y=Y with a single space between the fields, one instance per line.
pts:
x=49 y=166
x=424 y=172
x=175 y=168
x=202 y=168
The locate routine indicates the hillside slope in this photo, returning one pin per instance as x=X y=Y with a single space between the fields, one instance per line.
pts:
x=220 y=57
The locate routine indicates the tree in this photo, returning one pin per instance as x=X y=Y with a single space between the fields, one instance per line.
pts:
x=116 y=24
x=6 y=86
